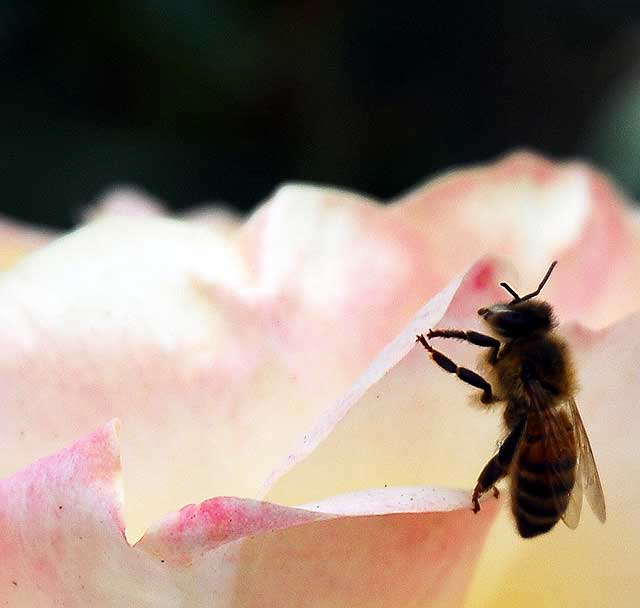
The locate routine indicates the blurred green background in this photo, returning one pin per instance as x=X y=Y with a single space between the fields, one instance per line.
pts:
x=221 y=101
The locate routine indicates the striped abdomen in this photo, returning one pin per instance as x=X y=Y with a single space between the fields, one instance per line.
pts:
x=544 y=472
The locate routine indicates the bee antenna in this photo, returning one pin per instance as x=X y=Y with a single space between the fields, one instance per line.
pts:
x=516 y=297
x=533 y=294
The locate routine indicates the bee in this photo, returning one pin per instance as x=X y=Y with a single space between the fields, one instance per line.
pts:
x=546 y=452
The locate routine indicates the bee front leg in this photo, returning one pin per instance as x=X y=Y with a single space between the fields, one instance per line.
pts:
x=473 y=337
x=498 y=466
x=466 y=375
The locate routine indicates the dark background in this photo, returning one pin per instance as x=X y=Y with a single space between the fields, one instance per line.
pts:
x=221 y=101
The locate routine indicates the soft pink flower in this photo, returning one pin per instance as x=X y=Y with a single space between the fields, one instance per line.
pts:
x=274 y=361
x=18 y=240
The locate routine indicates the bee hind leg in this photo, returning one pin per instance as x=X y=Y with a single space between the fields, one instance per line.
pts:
x=498 y=466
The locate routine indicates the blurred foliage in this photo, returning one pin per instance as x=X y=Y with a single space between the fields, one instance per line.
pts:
x=224 y=100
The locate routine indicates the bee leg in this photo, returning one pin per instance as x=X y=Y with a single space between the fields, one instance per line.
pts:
x=498 y=466
x=473 y=337
x=466 y=375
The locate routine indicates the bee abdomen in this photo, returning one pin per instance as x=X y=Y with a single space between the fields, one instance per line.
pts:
x=541 y=494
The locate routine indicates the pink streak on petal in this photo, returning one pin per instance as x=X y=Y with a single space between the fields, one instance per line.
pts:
x=196 y=529
x=62 y=544
x=533 y=211
x=193 y=338
x=409 y=560
x=47 y=512
x=382 y=547
x=402 y=560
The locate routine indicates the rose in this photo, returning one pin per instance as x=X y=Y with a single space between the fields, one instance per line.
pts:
x=222 y=349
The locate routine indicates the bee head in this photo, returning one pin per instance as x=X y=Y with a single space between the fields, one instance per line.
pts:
x=516 y=320
x=522 y=316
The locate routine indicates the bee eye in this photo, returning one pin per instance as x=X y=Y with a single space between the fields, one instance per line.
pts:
x=511 y=320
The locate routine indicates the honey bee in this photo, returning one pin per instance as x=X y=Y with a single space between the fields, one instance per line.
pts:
x=546 y=452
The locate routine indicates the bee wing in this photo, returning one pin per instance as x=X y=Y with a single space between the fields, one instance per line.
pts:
x=563 y=427
x=559 y=427
x=571 y=517
x=587 y=471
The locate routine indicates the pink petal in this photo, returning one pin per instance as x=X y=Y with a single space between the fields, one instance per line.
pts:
x=58 y=520
x=410 y=423
x=533 y=211
x=124 y=201
x=18 y=240
x=129 y=201
x=337 y=277
x=63 y=543
x=231 y=346
x=235 y=346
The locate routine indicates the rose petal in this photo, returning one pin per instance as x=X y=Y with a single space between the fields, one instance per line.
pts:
x=392 y=560
x=376 y=433
x=195 y=338
x=62 y=542
x=18 y=240
x=59 y=518
x=109 y=322
x=412 y=425
x=124 y=201
x=338 y=277
x=217 y=217
x=533 y=211
x=269 y=311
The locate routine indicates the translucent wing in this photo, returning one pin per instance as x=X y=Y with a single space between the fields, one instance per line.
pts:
x=560 y=443
x=587 y=471
x=571 y=517
x=565 y=433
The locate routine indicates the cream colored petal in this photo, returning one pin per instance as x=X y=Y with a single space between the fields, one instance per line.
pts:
x=230 y=346
x=405 y=419
x=217 y=217
x=18 y=240
x=63 y=544
x=411 y=423
x=595 y=565
x=110 y=322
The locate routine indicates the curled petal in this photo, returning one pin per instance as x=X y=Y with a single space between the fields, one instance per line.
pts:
x=63 y=544
x=227 y=343
x=59 y=519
